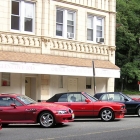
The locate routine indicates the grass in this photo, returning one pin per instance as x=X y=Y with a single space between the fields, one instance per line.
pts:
x=131 y=92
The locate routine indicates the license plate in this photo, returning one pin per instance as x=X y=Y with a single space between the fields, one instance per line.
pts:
x=72 y=116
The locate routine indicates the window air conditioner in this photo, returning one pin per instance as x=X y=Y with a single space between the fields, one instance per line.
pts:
x=70 y=35
x=99 y=40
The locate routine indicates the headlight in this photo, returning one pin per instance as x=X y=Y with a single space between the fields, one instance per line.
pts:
x=62 y=112
x=122 y=107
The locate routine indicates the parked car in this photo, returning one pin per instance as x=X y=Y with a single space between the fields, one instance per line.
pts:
x=84 y=105
x=16 y=108
x=132 y=105
x=0 y=125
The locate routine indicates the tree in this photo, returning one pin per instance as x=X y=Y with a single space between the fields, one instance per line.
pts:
x=127 y=42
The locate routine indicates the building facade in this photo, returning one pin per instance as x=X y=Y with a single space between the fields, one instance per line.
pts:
x=52 y=46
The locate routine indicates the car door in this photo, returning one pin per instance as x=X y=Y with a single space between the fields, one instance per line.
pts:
x=117 y=97
x=10 y=113
x=76 y=101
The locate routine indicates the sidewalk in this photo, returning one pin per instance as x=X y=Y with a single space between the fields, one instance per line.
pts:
x=136 y=96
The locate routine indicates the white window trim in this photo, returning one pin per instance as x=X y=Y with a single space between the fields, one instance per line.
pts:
x=64 y=32
x=94 y=28
x=21 y=30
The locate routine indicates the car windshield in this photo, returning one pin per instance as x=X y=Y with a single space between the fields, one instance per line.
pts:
x=26 y=100
x=90 y=97
x=127 y=97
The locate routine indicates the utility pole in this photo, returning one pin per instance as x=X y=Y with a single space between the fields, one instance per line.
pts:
x=94 y=82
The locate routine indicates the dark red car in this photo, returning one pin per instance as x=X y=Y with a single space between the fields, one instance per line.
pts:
x=84 y=105
x=16 y=108
x=0 y=125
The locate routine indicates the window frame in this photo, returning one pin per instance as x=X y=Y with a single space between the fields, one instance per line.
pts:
x=22 y=16
x=2 y=80
x=65 y=18
x=88 y=83
x=94 y=22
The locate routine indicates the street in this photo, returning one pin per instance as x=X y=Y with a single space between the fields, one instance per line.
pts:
x=81 y=129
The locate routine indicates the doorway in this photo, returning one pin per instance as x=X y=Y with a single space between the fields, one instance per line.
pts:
x=30 y=87
x=72 y=85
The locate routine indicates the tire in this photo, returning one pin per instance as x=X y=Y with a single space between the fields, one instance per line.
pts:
x=59 y=124
x=5 y=125
x=138 y=111
x=107 y=115
x=46 y=119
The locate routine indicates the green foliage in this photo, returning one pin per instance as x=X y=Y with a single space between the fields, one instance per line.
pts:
x=127 y=40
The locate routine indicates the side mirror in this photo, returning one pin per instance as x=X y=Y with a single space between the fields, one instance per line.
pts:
x=125 y=99
x=13 y=105
x=87 y=100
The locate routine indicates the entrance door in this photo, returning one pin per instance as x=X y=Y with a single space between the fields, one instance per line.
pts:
x=72 y=84
x=30 y=87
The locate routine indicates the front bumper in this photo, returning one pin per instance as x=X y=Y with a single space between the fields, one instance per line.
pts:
x=0 y=126
x=120 y=113
x=63 y=118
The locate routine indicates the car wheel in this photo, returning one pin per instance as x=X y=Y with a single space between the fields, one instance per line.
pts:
x=46 y=119
x=138 y=111
x=107 y=115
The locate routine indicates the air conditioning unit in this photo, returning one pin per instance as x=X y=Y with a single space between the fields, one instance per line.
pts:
x=99 y=40
x=70 y=35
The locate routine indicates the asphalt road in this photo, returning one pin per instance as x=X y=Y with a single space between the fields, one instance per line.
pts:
x=127 y=128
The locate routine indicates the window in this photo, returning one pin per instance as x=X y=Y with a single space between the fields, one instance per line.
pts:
x=60 y=81
x=5 y=79
x=88 y=82
x=63 y=98
x=7 y=101
x=65 y=23
x=22 y=16
x=105 y=97
x=95 y=26
x=76 y=97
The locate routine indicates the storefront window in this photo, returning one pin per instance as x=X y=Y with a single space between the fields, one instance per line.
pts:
x=5 y=79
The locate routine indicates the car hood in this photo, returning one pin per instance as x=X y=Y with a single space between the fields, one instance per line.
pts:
x=49 y=105
x=109 y=103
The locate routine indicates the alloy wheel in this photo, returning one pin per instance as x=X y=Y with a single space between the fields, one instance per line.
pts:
x=46 y=119
x=107 y=115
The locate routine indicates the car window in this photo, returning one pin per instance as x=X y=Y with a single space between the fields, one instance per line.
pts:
x=110 y=97
x=122 y=98
x=63 y=98
x=7 y=101
x=104 y=97
x=26 y=100
x=77 y=97
x=114 y=97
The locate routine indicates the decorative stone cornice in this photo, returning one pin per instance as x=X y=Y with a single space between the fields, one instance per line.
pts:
x=91 y=4
x=19 y=39
x=76 y=46
x=54 y=46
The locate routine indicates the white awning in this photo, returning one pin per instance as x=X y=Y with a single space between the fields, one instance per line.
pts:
x=39 y=68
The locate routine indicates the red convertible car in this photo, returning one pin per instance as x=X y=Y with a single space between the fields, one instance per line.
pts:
x=84 y=105
x=16 y=108
x=0 y=125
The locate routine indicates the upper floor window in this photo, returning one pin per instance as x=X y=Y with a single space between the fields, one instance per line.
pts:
x=65 y=23
x=95 y=29
x=22 y=16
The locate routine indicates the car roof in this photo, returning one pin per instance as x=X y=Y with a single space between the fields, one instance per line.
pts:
x=55 y=97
